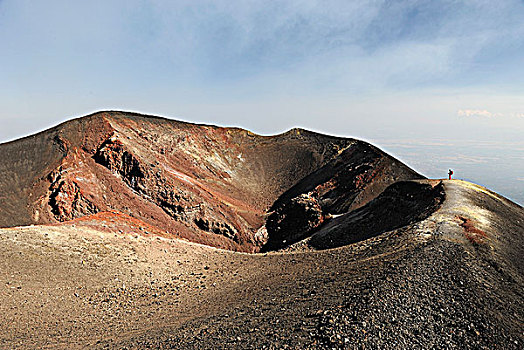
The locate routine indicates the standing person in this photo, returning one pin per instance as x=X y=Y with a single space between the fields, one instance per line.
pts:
x=450 y=172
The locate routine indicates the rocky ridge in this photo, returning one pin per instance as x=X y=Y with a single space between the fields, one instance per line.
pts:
x=222 y=187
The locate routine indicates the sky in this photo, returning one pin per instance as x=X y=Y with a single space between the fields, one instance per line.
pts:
x=436 y=83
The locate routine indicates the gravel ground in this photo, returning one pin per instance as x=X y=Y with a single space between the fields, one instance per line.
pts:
x=433 y=284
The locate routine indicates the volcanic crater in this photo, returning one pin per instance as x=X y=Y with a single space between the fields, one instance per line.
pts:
x=223 y=187
x=109 y=226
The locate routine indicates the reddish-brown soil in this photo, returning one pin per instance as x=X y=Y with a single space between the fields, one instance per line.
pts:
x=206 y=184
x=113 y=221
x=472 y=233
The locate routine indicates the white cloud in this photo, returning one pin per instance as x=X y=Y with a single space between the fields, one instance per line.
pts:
x=487 y=114
x=477 y=113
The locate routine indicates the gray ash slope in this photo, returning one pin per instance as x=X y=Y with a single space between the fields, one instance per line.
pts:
x=435 y=283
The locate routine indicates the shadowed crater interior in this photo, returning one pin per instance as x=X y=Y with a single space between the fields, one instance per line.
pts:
x=401 y=204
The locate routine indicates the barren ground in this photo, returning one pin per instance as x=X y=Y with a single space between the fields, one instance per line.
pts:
x=452 y=280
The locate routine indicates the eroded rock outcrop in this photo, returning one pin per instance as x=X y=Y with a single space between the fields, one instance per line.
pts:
x=66 y=200
x=219 y=228
x=152 y=181
x=113 y=155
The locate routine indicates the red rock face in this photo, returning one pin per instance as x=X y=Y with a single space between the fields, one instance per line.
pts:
x=67 y=201
x=206 y=184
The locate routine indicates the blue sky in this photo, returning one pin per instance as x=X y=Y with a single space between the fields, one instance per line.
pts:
x=378 y=70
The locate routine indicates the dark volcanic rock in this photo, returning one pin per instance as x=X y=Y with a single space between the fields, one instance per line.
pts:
x=67 y=201
x=293 y=221
x=359 y=174
x=401 y=204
